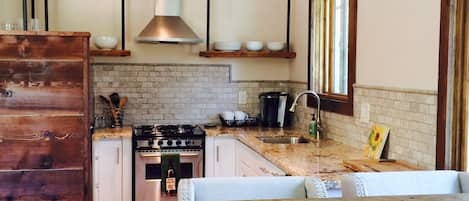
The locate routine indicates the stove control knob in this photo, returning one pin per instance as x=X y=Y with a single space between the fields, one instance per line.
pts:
x=188 y=142
x=178 y=142
x=160 y=142
x=170 y=142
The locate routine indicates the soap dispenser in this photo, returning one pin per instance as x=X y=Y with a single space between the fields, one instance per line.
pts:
x=313 y=127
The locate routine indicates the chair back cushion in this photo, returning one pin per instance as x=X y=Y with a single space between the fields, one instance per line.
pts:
x=249 y=188
x=400 y=183
x=464 y=181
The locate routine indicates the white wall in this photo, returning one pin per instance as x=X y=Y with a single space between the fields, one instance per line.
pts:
x=231 y=20
x=298 y=66
x=10 y=11
x=397 y=44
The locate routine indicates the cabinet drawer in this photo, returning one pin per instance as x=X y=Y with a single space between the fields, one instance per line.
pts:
x=42 y=185
x=41 y=85
x=42 y=142
x=38 y=47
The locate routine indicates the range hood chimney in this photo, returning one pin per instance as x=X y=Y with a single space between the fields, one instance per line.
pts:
x=167 y=26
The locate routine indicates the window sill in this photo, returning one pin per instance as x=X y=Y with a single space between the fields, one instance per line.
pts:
x=341 y=105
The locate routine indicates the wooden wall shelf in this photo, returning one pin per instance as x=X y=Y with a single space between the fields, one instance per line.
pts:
x=244 y=53
x=110 y=53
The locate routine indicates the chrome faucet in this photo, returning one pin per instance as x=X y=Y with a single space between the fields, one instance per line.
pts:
x=318 y=100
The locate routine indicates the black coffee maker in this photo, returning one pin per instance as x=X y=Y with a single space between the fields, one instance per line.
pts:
x=274 y=109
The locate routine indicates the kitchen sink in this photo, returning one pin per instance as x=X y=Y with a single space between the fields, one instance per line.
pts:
x=283 y=139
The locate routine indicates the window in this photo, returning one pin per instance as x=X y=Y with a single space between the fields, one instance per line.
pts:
x=332 y=53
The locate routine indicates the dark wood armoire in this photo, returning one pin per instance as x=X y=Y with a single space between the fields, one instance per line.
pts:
x=45 y=151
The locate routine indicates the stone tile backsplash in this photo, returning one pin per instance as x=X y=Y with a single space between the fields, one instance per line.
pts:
x=410 y=114
x=177 y=93
x=197 y=93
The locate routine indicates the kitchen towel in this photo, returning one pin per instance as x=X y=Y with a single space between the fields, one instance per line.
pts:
x=169 y=160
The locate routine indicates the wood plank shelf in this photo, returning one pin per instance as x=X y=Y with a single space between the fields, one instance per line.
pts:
x=110 y=53
x=245 y=53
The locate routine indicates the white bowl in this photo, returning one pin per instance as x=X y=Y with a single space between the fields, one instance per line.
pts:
x=105 y=42
x=240 y=115
x=275 y=46
x=227 y=45
x=254 y=45
x=228 y=115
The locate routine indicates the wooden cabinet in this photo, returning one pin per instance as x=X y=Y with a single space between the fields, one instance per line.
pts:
x=112 y=173
x=44 y=116
x=228 y=157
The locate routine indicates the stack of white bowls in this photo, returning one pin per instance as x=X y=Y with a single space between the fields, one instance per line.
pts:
x=250 y=46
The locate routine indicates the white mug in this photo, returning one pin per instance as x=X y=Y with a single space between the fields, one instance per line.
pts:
x=240 y=115
x=228 y=115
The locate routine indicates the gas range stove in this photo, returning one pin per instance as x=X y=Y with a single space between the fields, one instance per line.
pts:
x=160 y=138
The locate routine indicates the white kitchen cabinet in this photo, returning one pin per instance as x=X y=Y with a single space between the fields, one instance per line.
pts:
x=250 y=163
x=112 y=169
x=220 y=157
x=228 y=157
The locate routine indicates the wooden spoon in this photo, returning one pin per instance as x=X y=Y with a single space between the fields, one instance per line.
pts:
x=106 y=101
x=123 y=102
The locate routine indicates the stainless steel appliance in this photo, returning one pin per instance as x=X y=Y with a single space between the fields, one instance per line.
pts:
x=167 y=26
x=274 y=109
x=151 y=141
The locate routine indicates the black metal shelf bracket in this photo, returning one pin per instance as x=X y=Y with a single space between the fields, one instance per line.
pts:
x=310 y=26
x=123 y=24
x=46 y=15
x=25 y=15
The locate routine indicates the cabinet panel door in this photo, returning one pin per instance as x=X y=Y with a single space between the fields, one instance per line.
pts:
x=108 y=170
x=225 y=165
x=209 y=156
x=257 y=164
x=127 y=169
x=42 y=85
x=65 y=185
x=40 y=47
x=41 y=142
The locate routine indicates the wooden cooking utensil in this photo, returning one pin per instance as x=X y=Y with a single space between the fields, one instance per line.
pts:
x=106 y=101
x=123 y=102
x=115 y=99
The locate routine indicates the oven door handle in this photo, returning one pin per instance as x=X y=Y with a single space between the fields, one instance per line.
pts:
x=158 y=154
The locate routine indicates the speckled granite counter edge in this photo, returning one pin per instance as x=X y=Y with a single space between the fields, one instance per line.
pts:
x=112 y=133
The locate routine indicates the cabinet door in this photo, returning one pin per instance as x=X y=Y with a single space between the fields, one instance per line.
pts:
x=127 y=169
x=107 y=167
x=250 y=163
x=209 y=156
x=224 y=157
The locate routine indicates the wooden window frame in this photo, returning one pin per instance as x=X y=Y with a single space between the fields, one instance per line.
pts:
x=445 y=21
x=342 y=104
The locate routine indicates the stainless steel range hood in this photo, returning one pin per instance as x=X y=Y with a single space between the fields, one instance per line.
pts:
x=167 y=26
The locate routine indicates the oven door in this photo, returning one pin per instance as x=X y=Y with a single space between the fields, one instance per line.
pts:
x=148 y=172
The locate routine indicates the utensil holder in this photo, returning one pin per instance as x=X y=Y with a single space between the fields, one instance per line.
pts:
x=117 y=118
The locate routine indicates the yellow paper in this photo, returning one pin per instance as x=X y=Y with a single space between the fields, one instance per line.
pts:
x=376 y=141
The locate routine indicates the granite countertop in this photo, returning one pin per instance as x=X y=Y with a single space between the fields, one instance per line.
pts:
x=112 y=133
x=323 y=159
x=451 y=197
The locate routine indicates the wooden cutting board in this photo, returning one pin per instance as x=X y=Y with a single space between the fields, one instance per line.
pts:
x=376 y=166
